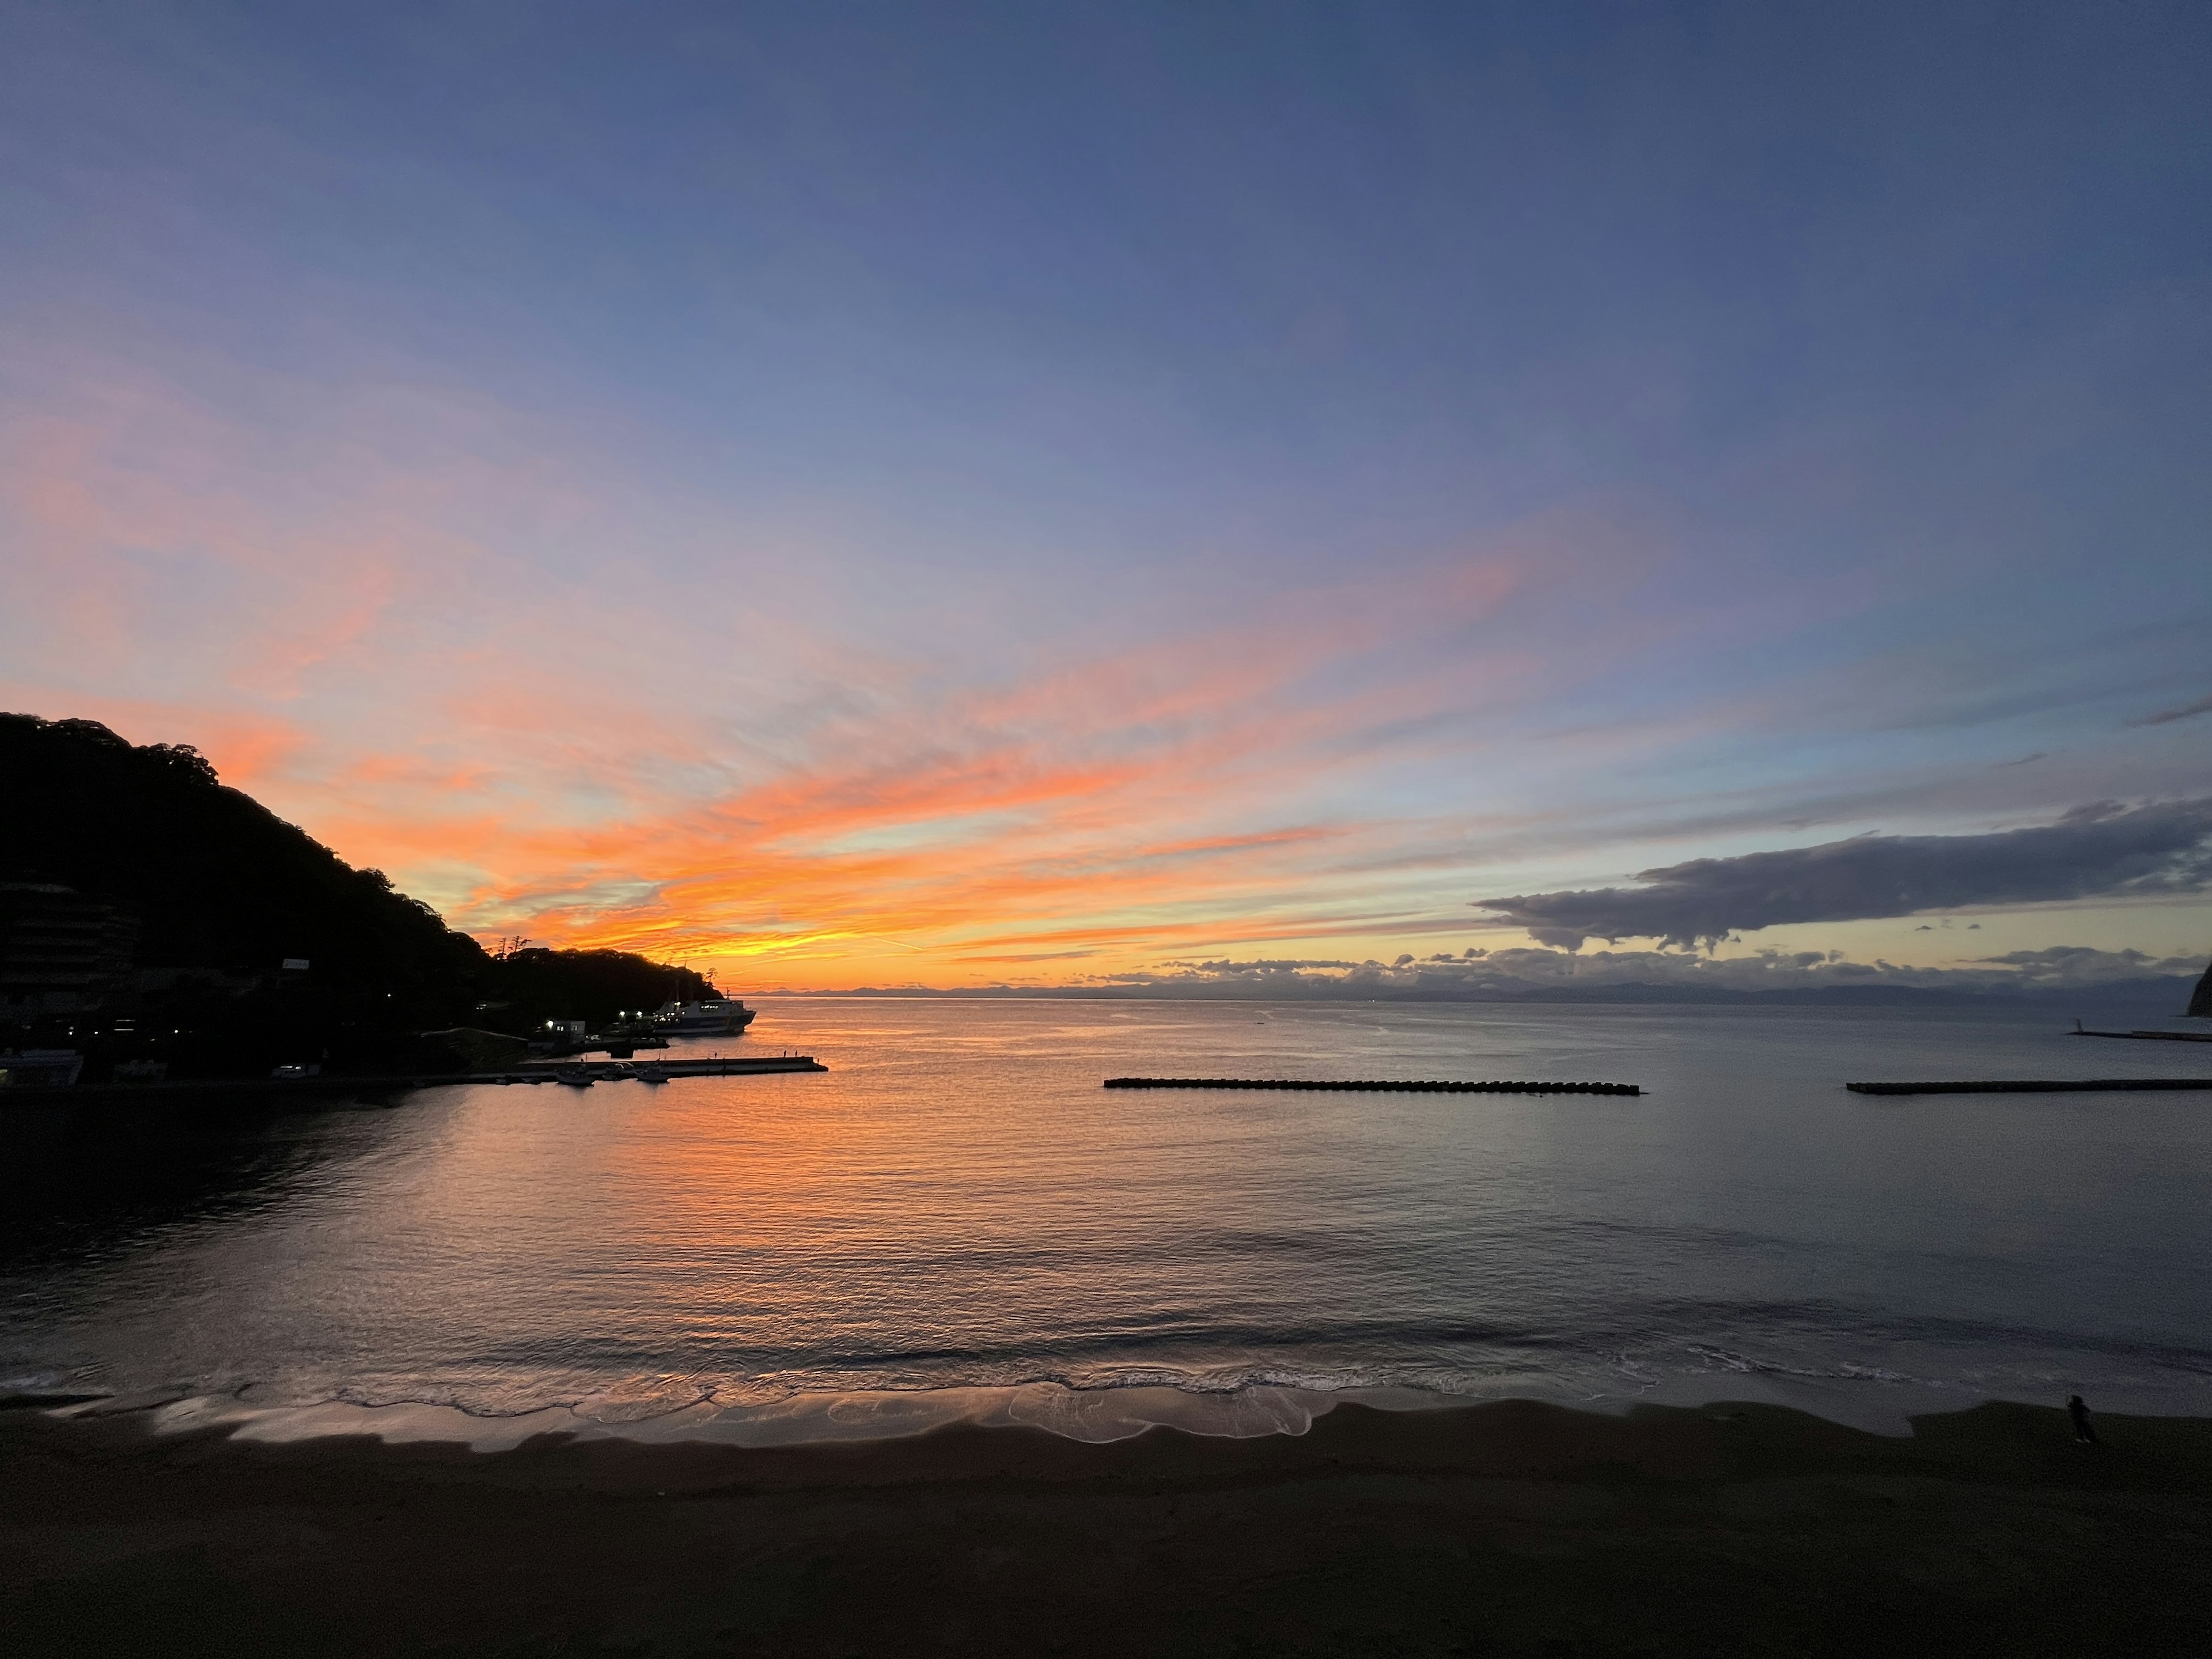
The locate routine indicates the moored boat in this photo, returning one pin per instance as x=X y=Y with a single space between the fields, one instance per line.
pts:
x=713 y=1016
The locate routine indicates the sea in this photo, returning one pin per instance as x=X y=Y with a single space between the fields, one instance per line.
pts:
x=956 y=1223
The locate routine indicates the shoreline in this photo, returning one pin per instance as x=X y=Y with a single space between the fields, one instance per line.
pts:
x=1512 y=1526
x=1094 y=1413
x=1098 y=1414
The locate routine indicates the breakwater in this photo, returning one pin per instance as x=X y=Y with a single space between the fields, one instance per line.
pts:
x=1373 y=1087
x=615 y=1070
x=2079 y=1085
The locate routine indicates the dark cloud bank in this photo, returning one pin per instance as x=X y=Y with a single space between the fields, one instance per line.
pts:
x=2105 y=851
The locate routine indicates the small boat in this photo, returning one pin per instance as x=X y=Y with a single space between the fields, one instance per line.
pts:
x=575 y=1077
x=650 y=1072
x=618 y=1071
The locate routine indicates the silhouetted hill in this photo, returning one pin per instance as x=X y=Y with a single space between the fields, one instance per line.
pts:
x=2200 y=1005
x=156 y=866
x=535 y=985
x=215 y=879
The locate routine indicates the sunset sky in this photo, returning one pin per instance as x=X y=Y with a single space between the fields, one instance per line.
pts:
x=1043 y=494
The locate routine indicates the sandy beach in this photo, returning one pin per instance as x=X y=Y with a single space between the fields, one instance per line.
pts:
x=1511 y=1527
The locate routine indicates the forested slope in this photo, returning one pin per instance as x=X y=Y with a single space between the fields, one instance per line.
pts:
x=218 y=883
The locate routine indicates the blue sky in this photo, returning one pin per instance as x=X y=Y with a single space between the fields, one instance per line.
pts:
x=1092 y=483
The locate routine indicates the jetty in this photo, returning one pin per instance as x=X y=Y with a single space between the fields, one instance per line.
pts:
x=2076 y=1085
x=1375 y=1087
x=87 y=1094
x=2144 y=1036
x=537 y=1071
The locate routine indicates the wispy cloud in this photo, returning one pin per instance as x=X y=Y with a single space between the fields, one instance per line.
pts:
x=2168 y=716
x=692 y=758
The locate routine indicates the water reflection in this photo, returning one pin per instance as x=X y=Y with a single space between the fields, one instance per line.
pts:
x=98 y=1182
x=958 y=1203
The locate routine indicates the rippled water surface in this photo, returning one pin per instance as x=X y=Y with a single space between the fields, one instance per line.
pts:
x=958 y=1203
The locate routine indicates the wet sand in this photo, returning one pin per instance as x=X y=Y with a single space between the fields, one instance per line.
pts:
x=1508 y=1528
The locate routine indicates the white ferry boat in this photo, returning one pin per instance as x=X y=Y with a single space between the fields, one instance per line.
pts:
x=717 y=1017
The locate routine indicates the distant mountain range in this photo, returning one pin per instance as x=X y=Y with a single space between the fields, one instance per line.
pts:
x=2156 y=996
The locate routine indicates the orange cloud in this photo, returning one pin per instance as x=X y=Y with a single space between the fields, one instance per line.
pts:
x=661 y=762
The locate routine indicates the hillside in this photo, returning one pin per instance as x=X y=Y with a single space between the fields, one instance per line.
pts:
x=200 y=894
x=215 y=879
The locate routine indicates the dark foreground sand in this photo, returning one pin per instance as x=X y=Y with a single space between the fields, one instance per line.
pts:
x=1506 y=1529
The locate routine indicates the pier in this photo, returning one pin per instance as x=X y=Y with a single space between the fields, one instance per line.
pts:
x=539 y=1071
x=2082 y=1085
x=1375 y=1087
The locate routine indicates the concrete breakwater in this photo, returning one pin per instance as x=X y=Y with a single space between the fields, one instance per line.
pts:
x=2080 y=1085
x=1384 y=1087
x=617 y=1070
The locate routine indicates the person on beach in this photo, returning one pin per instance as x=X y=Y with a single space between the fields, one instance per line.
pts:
x=2083 y=1430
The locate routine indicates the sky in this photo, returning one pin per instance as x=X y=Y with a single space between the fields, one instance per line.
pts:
x=970 y=494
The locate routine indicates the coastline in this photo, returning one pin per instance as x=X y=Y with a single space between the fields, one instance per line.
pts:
x=1511 y=1526
x=1093 y=1413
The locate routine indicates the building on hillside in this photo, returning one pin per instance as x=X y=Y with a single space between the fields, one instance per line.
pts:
x=60 y=952
x=39 y=1068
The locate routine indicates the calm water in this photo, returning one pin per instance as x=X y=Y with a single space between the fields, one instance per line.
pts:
x=958 y=1205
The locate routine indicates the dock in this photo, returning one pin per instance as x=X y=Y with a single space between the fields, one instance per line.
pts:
x=263 y=1088
x=1431 y=1088
x=542 y=1070
x=2080 y=1085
